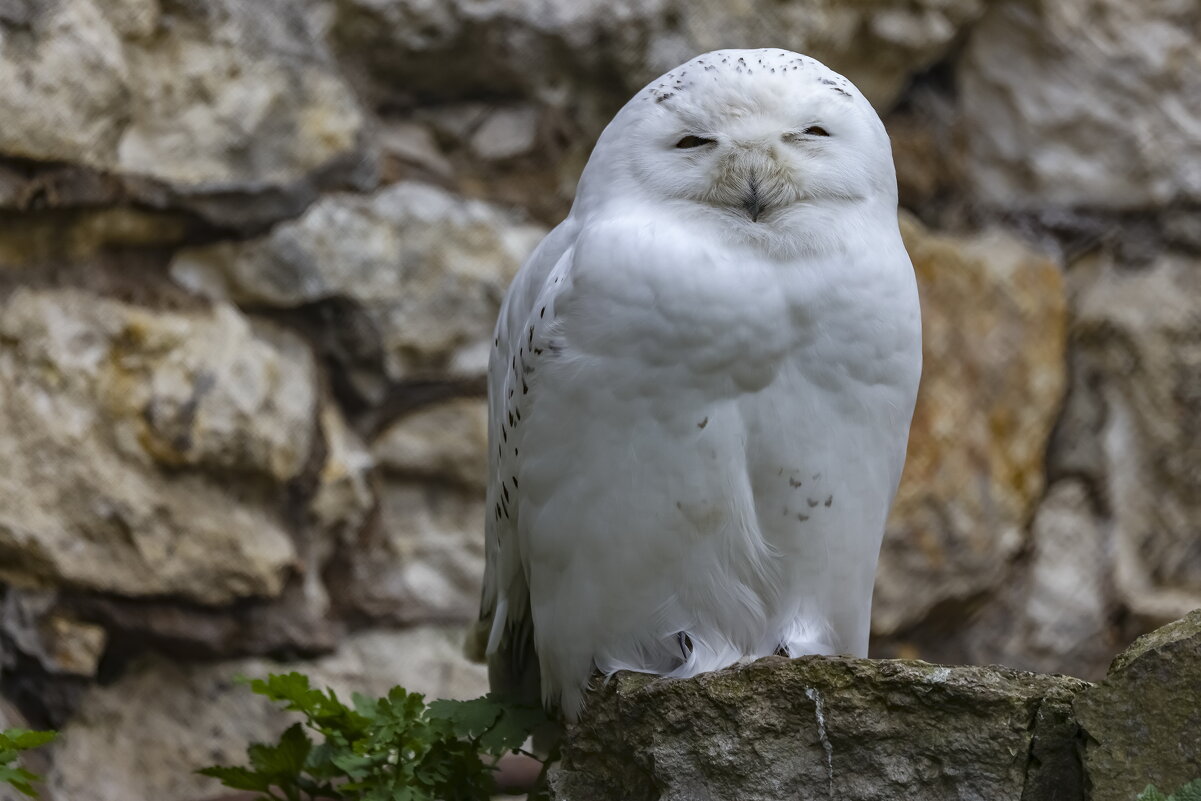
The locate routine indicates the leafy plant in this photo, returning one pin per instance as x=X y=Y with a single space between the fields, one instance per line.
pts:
x=12 y=743
x=1189 y=792
x=395 y=748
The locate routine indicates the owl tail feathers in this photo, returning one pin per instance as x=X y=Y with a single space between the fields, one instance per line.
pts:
x=483 y=637
x=515 y=676
x=475 y=641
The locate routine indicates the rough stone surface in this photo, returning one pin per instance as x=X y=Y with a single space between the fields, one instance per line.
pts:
x=1060 y=613
x=448 y=440
x=1054 y=611
x=1142 y=724
x=422 y=559
x=974 y=470
x=116 y=417
x=817 y=728
x=1128 y=426
x=1084 y=102
x=535 y=47
x=506 y=133
x=206 y=95
x=426 y=268
x=142 y=737
x=58 y=642
x=344 y=496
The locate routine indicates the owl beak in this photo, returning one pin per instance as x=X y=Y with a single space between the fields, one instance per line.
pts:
x=752 y=201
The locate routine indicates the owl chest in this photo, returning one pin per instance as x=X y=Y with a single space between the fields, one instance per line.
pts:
x=855 y=331
x=703 y=322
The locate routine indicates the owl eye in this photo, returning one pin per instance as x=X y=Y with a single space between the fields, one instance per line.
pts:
x=694 y=141
x=815 y=130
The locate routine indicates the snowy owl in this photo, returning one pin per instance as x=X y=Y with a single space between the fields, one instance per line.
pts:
x=701 y=387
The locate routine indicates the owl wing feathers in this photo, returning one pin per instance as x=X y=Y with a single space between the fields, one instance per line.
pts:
x=504 y=634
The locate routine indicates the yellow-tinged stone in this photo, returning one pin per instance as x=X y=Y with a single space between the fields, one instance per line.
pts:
x=994 y=320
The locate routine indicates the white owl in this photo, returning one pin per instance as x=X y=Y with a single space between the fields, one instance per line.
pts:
x=701 y=387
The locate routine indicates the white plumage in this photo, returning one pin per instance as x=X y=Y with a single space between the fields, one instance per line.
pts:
x=701 y=387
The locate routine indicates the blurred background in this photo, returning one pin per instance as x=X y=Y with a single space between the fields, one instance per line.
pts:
x=251 y=252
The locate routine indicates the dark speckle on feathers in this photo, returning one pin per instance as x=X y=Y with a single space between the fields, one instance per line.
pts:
x=812 y=502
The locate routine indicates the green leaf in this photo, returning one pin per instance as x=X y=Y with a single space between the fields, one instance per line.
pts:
x=12 y=743
x=365 y=706
x=469 y=718
x=394 y=748
x=24 y=739
x=515 y=726
x=357 y=766
x=1189 y=792
x=285 y=760
x=20 y=779
x=238 y=778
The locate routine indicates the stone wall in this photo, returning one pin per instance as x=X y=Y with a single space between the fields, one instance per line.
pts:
x=251 y=252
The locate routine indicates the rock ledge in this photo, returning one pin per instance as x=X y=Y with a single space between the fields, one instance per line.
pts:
x=879 y=730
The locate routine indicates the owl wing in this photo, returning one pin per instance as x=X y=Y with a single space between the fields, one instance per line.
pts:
x=524 y=333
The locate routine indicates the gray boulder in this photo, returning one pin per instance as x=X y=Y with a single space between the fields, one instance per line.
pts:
x=1143 y=723
x=818 y=728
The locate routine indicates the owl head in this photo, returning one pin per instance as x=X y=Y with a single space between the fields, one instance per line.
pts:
x=768 y=143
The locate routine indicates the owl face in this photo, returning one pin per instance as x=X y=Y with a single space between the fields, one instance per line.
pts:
x=758 y=137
